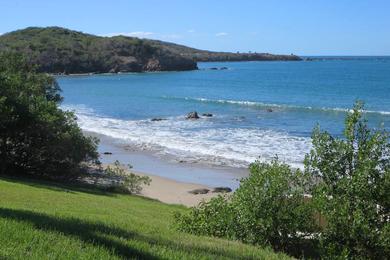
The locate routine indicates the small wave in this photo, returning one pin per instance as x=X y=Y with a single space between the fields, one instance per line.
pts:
x=263 y=105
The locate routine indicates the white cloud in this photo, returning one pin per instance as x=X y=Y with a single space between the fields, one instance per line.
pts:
x=191 y=31
x=221 y=34
x=131 y=34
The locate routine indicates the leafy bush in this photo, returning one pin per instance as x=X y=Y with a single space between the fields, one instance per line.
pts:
x=212 y=218
x=36 y=137
x=124 y=181
x=354 y=192
x=268 y=208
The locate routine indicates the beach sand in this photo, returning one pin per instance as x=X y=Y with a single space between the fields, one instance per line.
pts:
x=171 y=182
x=174 y=192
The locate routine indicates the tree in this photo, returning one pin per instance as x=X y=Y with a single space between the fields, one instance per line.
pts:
x=36 y=137
x=354 y=188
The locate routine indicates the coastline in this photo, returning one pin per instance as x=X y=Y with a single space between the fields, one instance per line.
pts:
x=174 y=192
x=171 y=181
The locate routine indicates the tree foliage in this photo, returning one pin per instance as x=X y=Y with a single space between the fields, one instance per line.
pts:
x=123 y=181
x=36 y=137
x=268 y=209
x=354 y=192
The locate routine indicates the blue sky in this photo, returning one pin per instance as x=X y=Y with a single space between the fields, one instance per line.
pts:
x=304 y=27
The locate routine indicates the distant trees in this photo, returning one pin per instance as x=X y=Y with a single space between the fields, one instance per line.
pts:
x=349 y=180
x=36 y=137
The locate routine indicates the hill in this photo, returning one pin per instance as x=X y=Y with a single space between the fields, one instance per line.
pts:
x=42 y=220
x=60 y=50
x=206 y=56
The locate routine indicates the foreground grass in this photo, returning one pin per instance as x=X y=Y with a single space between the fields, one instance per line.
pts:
x=41 y=220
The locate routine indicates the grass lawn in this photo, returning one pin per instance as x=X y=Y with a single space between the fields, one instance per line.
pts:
x=42 y=220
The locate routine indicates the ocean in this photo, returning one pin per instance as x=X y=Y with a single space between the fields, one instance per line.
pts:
x=260 y=109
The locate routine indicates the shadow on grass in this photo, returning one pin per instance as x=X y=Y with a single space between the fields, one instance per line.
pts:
x=112 y=238
x=69 y=187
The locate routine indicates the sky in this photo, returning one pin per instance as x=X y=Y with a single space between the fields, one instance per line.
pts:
x=303 y=27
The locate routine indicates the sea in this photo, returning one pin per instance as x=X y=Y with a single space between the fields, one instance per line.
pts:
x=260 y=110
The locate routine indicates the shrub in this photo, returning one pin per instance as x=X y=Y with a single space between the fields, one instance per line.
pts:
x=270 y=207
x=124 y=181
x=354 y=191
x=36 y=137
x=267 y=209
x=213 y=218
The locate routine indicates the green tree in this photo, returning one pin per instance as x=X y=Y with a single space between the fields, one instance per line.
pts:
x=268 y=209
x=354 y=189
x=36 y=137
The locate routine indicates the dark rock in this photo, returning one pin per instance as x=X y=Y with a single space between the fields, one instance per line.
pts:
x=157 y=119
x=213 y=68
x=199 y=191
x=223 y=68
x=192 y=115
x=269 y=110
x=207 y=114
x=107 y=153
x=222 y=189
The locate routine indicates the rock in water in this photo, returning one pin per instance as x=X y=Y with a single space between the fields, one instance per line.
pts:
x=192 y=115
x=207 y=114
x=269 y=110
x=157 y=119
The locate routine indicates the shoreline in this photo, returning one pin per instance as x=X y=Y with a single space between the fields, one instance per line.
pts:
x=174 y=192
x=171 y=181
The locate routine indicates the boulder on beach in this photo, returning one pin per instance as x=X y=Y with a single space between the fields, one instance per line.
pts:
x=199 y=191
x=192 y=115
x=222 y=189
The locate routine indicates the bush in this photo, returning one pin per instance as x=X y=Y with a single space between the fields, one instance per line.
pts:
x=123 y=181
x=36 y=137
x=213 y=218
x=270 y=207
x=267 y=209
x=354 y=192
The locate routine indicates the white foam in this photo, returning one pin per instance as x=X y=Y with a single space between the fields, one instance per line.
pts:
x=280 y=106
x=199 y=140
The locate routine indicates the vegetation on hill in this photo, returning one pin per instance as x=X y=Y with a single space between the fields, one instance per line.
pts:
x=206 y=56
x=60 y=50
x=36 y=137
x=349 y=180
x=41 y=220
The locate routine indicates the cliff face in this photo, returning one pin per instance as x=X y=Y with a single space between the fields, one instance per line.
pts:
x=59 y=50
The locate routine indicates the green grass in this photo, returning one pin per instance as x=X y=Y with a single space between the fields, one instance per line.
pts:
x=42 y=220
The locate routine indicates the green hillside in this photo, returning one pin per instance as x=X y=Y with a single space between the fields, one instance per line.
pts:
x=60 y=50
x=40 y=220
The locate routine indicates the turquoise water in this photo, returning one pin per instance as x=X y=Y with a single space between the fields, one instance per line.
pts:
x=300 y=94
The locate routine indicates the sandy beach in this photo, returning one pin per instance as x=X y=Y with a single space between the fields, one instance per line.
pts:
x=174 y=192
